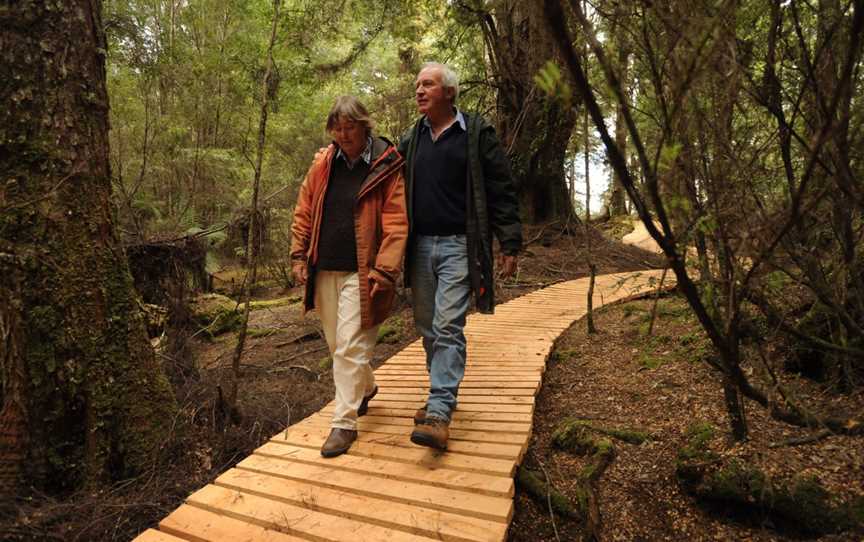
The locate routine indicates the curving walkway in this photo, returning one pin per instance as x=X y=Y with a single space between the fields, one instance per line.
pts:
x=386 y=488
x=640 y=237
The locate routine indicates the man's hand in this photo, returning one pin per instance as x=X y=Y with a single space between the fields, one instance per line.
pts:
x=300 y=272
x=506 y=265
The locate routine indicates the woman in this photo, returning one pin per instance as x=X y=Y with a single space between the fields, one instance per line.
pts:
x=348 y=238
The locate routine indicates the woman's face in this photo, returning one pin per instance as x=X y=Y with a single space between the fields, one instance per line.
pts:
x=350 y=135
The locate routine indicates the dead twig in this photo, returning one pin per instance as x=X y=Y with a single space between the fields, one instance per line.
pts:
x=299 y=354
x=306 y=336
x=797 y=441
x=298 y=367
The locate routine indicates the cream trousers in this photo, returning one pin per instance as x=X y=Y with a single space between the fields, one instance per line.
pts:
x=337 y=300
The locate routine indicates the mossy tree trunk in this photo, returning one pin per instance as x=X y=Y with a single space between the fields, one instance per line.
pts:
x=534 y=128
x=83 y=398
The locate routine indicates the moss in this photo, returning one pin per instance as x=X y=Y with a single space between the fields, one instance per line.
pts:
x=855 y=510
x=603 y=447
x=534 y=485
x=630 y=436
x=390 y=331
x=325 y=363
x=699 y=435
x=272 y=303
x=216 y=313
x=695 y=457
x=735 y=481
x=256 y=332
x=574 y=435
x=801 y=503
x=563 y=355
x=650 y=361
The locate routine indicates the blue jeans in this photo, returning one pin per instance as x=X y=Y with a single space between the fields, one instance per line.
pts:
x=441 y=289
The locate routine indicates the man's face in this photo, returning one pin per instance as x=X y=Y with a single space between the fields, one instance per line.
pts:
x=350 y=135
x=429 y=93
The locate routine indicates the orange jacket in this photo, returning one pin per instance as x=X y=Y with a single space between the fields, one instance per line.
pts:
x=380 y=227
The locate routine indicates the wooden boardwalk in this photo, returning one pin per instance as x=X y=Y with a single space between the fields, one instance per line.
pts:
x=385 y=487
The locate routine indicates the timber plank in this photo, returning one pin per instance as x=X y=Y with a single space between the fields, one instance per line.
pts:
x=470 y=376
x=466 y=383
x=192 y=523
x=482 y=484
x=407 y=394
x=406 y=517
x=468 y=425
x=455 y=434
x=463 y=406
x=458 y=415
x=388 y=434
x=463 y=393
x=460 y=502
x=395 y=372
x=404 y=451
x=152 y=535
x=289 y=518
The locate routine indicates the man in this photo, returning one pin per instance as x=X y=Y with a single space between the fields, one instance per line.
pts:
x=459 y=190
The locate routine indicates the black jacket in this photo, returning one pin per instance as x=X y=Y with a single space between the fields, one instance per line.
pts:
x=492 y=204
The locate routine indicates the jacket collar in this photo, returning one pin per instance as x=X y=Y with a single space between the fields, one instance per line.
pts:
x=365 y=156
x=385 y=160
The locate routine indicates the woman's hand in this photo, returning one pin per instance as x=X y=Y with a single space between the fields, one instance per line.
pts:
x=300 y=272
x=378 y=283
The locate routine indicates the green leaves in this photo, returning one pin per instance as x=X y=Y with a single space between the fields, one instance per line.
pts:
x=550 y=80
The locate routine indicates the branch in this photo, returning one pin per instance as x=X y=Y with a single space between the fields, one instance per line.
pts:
x=358 y=49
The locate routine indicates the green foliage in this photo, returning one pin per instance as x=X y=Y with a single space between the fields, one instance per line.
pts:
x=574 y=435
x=325 y=363
x=391 y=330
x=563 y=355
x=550 y=80
x=698 y=435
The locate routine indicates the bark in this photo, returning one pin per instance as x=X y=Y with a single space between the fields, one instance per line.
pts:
x=617 y=199
x=534 y=128
x=80 y=382
x=592 y=268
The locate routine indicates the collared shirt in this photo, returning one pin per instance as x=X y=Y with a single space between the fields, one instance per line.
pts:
x=366 y=155
x=459 y=120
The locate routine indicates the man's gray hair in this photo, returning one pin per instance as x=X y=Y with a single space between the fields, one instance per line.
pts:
x=448 y=77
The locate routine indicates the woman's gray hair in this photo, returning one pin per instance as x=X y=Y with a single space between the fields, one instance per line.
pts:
x=449 y=79
x=349 y=107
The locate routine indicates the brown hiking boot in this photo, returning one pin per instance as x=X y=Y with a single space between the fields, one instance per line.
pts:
x=364 y=405
x=420 y=416
x=338 y=442
x=434 y=433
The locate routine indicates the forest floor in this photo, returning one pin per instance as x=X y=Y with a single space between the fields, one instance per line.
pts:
x=620 y=377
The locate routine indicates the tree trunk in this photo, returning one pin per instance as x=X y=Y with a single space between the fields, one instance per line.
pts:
x=534 y=128
x=617 y=201
x=81 y=387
